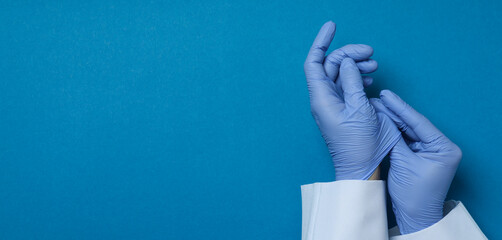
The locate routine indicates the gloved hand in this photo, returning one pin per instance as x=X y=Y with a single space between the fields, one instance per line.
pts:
x=357 y=137
x=422 y=166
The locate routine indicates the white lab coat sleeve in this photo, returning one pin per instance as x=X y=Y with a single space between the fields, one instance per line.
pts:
x=457 y=224
x=344 y=210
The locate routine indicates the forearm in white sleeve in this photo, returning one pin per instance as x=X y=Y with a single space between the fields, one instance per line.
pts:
x=344 y=210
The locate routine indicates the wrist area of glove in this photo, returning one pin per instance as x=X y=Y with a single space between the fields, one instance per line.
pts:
x=414 y=220
x=365 y=163
x=372 y=174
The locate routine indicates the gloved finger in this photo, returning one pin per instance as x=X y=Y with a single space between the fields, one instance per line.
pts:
x=314 y=63
x=367 y=66
x=358 y=52
x=352 y=85
x=422 y=127
x=367 y=81
x=321 y=90
x=400 y=124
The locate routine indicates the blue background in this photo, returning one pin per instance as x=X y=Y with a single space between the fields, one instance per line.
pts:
x=191 y=120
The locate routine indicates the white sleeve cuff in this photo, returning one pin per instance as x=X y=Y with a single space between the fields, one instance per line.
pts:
x=345 y=210
x=457 y=224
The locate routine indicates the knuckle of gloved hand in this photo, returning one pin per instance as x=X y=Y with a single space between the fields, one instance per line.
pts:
x=307 y=66
x=319 y=47
x=455 y=154
x=451 y=152
x=336 y=57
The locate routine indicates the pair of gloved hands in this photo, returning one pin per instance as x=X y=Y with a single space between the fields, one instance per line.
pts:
x=360 y=132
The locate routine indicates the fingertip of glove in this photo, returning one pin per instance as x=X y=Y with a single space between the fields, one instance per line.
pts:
x=385 y=93
x=359 y=51
x=373 y=62
x=367 y=81
x=365 y=48
x=388 y=95
x=329 y=24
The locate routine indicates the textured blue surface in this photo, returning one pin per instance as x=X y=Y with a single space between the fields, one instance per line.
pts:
x=190 y=120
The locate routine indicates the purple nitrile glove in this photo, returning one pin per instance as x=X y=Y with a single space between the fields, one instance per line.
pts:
x=422 y=165
x=358 y=137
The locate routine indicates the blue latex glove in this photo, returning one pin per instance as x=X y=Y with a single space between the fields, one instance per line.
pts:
x=422 y=166
x=357 y=137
